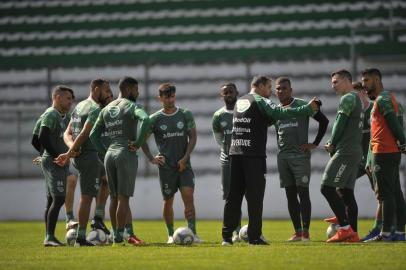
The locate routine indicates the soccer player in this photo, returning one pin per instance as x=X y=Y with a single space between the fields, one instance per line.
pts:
x=71 y=180
x=53 y=124
x=345 y=150
x=87 y=162
x=120 y=120
x=174 y=130
x=252 y=115
x=387 y=143
x=222 y=126
x=294 y=153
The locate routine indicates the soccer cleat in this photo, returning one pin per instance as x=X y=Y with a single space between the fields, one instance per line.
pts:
x=227 y=242
x=305 y=236
x=170 y=240
x=197 y=240
x=53 y=243
x=341 y=235
x=398 y=237
x=353 y=239
x=332 y=220
x=297 y=236
x=380 y=238
x=97 y=223
x=134 y=240
x=83 y=243
x=71 y=224
x=259 y=242
x=236 y=238
x=373 y=233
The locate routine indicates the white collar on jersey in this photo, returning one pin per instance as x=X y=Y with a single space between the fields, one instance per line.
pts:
x=169 y=114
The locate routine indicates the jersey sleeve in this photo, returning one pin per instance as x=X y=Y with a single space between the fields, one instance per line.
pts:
x=400 y=115
x=142 y=116
x=48 y=121
x=190 y=121
x=95 y=134
x=273 y=112
x=93 y=115
x=347 y=104
x=385 y=105
x=37 y=127
x=216 y=128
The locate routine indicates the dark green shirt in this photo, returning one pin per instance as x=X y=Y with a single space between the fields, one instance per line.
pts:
x=57 y=125
x=222 y=127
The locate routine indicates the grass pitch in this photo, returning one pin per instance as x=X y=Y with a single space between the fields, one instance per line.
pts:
x=21 y=248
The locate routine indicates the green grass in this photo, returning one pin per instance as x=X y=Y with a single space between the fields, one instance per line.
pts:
x=21 y=248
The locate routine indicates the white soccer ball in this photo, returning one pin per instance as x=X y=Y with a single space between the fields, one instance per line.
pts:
x=243 y=234
x=97 y=237
x=70 y=237
x=183 y=236
x=332 y=229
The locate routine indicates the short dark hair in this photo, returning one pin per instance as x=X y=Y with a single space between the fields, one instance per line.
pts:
x=229 y=84
x=343 y=73
x=97 y=83
x=373 y=72
x=166 y=89
x=357 y=85
x=282 y=80
x=126 y=82
x=261 y=79
x=59 y=89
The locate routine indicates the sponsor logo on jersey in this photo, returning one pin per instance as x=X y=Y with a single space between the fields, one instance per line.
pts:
x=180 y=125
x=223 y=124
x=289 y=125
x=114 y=111
x=243 y=105
x=241 y=120
x=376 y=168
x=163 y=127
x=305 y=179
x=173 y=134
x=241 y=142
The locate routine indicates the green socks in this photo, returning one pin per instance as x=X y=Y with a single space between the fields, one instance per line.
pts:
x=169 y=227
x=191 y=223
x=129 y=229
x=99 y=212
x=69 y=216
x=81 y=233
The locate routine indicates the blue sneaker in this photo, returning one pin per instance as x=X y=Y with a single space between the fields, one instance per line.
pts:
x=372 y=233
x=380 y=238
x=398 y=237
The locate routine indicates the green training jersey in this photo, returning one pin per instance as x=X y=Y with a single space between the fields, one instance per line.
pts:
x=351 y=138
x=292 y=133
x=171 y=134
x=222 y=127
x=85 y=111
x=118 y=121
x=37 y=126
x=400 y=115
x=366 y=130
x=57 y=124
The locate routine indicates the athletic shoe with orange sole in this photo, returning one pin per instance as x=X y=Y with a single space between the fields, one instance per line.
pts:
x=297 y=236
x=341 y=235
x=134 y=240
x=331 y=220
x=353 y=239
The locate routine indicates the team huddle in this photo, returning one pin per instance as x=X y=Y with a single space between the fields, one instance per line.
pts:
x=100 y=139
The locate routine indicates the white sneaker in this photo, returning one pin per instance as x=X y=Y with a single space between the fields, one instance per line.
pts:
x=71 y=224
x=236 y=238
x=170 y=240
x=226 y=244
x=197 y=240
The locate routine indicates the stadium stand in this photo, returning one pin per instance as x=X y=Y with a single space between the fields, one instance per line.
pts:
x=196 y=44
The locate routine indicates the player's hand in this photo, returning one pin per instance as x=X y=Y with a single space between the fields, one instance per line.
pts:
x=132 y=147
x=62 y=159
x=315 y=103
x=182 y=164
x=329 y=148
x=368 y=171
x=307 y=147
x=402 y=148
x=36 y=161
x=158 y=160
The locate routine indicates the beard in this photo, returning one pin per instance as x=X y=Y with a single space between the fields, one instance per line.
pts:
x=132 y=98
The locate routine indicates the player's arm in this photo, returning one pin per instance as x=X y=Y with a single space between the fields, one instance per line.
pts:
x=271 y=111
x=192 y=135
x=144 y=121
x=68 y=135
x=47 y=125
x=323 y=124
x=346 y=106
x=159 y=159
x=216 y=129
x=95 y=135
x=385 y=106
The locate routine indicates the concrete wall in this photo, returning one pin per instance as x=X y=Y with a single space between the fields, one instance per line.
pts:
x=25 y=199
